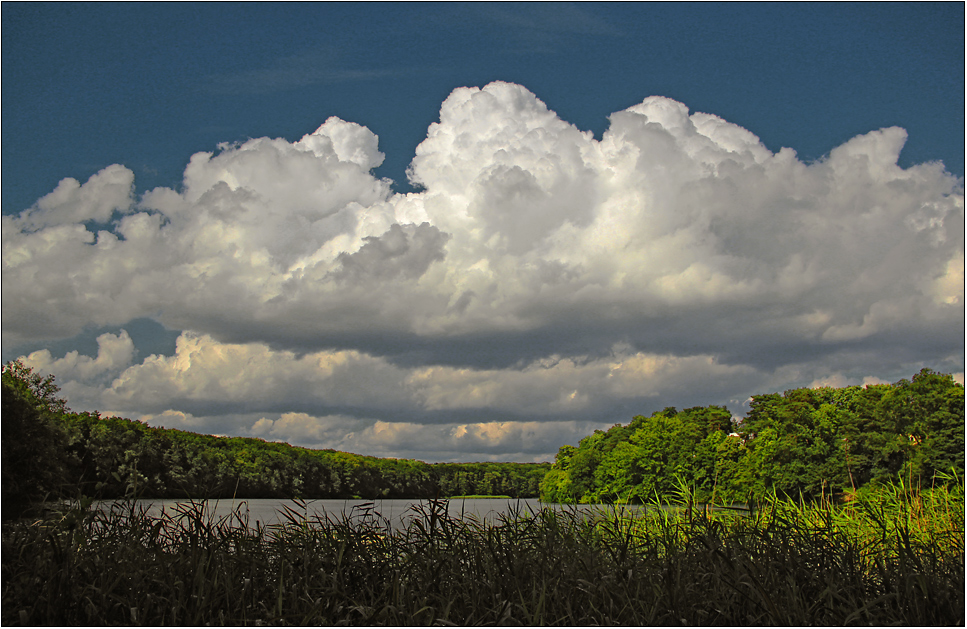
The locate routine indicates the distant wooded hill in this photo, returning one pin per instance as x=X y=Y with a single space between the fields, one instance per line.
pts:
x=50 y=451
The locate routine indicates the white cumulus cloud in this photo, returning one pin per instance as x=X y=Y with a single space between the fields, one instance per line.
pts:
x=538 y=273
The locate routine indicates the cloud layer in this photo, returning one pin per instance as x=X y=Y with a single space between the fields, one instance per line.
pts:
x=540 y=284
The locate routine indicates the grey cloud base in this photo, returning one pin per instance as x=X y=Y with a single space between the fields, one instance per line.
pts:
x=540 y=277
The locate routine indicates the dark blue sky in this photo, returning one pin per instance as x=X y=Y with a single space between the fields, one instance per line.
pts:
x=147 y=85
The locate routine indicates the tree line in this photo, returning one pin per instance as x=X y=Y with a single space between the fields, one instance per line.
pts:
x=49 y=451
x=805 y=443
x=802 y=443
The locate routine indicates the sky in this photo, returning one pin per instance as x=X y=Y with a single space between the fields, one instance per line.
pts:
x=476 y=232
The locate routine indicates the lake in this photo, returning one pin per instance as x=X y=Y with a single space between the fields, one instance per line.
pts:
x=398 y=512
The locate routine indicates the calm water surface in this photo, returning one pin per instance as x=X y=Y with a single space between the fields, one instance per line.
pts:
x=397 y=513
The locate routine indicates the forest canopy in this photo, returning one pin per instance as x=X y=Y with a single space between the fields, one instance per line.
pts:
x=802 y=443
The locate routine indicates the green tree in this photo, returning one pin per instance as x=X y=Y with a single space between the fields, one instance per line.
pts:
x=927 y=413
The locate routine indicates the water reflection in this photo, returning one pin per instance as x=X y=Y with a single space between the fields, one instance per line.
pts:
x=395 y=514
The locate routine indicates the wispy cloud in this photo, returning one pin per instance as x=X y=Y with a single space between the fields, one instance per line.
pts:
x=549 y=17
x=526 y=28
x=315 y=67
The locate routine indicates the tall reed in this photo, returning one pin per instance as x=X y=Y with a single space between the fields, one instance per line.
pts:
x=787 y=563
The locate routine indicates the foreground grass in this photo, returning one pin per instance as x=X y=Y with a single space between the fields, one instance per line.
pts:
x=889 y=559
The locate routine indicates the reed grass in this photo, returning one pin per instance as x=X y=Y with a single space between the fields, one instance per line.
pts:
x=894 y=556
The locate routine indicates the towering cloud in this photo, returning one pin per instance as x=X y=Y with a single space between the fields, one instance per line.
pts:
x=540 y=275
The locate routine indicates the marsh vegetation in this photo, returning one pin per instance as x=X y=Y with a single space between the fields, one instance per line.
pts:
x=895 y=556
